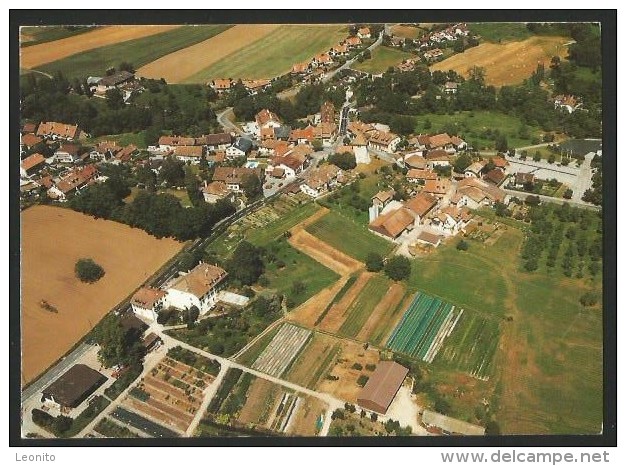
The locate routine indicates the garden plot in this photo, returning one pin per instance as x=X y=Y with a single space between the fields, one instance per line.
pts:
x=282 y=350
x=171 y=394
x=424 y=326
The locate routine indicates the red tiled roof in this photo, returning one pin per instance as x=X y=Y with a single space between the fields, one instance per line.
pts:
x=393 y=223
x=421 y=204
x=30 y=140
x=32 y=161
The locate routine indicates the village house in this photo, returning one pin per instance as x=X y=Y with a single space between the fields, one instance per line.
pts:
x=475 y=193
x=113 y=81
x=382 y=140
x=364 y=33
x=322 y=60
x=524 y=179
x=408 y=64
x=241 y=148
x=147 y=302
x=29 y=140
x=54 y=130
x=450 y=87
x=254 y=86
x=221 y=85
x=438 y=187
x=326 y=132
x=437 y=158
x=301 y=68
x=32 y=164
x=568 y=103
x=67 y=153
x=74 y=181
x=421 y=205
x=382 y=198
x=191 y=154
x=327 y=112
x=233 y=176
x=495 y=176
x=451 y=219
x=218 y=141
x=125 y=154
x=198 y=288
x=433 y=54
x=340 y=50
x=441 y=141
x=391 y=225
x=168 y=143
x=320 y=180
x=415 y=162
x=271 y=147
x=428 y=238
x=475 y=169
x=418 y=176
x=500 y=163
x=28 y=127
x=353 y=41
x=104 y=150
x=292 y=162
x=215 y=191
x=302 y=136
x=266 y=118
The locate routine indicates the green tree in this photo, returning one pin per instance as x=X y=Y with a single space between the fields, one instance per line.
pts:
x=191 y=315
x=462 y=162
x=115 y=99
x=374 y=262
x=252 y=186
x=246 y=264
x=590 y=298
x=344 y=160
x=318 y=145
x=88 y=271
x=298 y=287
x=398 y=268
x=462 y=245
x=172 y=172
x=117 y=344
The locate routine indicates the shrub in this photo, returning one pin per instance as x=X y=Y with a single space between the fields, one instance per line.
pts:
x=398 y=268
x=88 y=271
x=357 y=366
x=362 y=380
x=462 y=245
x=589 y=299
x=374 y=262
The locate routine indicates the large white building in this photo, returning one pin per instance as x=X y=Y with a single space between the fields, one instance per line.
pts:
x=197 y=288
x=147 y=302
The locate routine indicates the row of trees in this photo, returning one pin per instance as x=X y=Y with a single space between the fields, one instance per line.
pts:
x=397 y=267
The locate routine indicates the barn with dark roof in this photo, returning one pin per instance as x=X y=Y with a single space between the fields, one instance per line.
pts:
x=381 y=388
x=74 y=387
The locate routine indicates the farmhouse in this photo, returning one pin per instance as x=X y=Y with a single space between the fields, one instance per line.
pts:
x=382 y=140
x=147 y=302
x=429 y=238
x=197 y=288
x=475 y=169
x=218 y=141
x=451 y=219
x=392 y=224
x=473 y=193
x=221 y=85
x=114 y=80
x=438 y=187
x=67 y=153
x=420 y=205
x=215 y=191
x=495 y=176
x=450 y=87
x=437 y=158
x=73 y=387
x=522 y=179
x=364 y=33
x=168 y=143
x=568 y=103
x=265 y=118
x=320 y=180
x=353 y=41
x=441 y=141
x=234 y=176
x=54 y=130
x=448 y=425
x=189 y=153
x=415 y=162
x=255 y=85
x=73 y=182
x=381 y=388
x=31 y=164
x=29 y=140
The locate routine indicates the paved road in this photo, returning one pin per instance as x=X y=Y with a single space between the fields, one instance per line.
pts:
x=554 y=200
x=55 y=371
x=228 y=125
x=583 y=182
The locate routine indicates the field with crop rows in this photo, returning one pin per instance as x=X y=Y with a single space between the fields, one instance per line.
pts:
x=282 y=350
x=363 y=305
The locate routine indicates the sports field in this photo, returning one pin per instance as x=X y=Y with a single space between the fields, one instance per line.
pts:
x=184 y=64
x=37 y=55
x=348 y=236
x=138 y=52
x=269 y=55
x=508 y=63
x=52 y=240
x=382 y=59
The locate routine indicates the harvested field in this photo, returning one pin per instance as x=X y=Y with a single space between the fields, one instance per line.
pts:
x=53 y=239
x=308 y=419
x=337 y=313
x=283 y=348
x=408 y=32
x=263 y=397
x=383 y=310
x=508 y=63
x=178 y=66
x=308 y=312
x=314 y=361
x=273 y=54
x=325 y=254
x=37 y=55
x=345 y=387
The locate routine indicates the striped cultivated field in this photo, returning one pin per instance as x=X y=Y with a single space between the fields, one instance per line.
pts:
x=267 y=56
x=423 y=327
x=283 y=349
x=187 y=64
x=37 y=55
x=361 y=308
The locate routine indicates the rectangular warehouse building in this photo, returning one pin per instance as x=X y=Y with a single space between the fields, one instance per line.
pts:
x=74 y=387
x=381 y=388
x=450 y=426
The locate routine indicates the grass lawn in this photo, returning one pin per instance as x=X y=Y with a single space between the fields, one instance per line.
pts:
x=476 y=126
x=123 y=139
x=275 y=53
x=363 y=305
x=298 y=268
x=267 y=234
x=348 y=236
x=40 y=34
x=382 y=59
x=500 y=32
x=180 y=194
x=137 y=51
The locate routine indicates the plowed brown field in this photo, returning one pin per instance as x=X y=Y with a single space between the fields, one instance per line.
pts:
x=37 y=55
x=509 y=63
x=53 y=239
x=179 y=65
x=337 y=313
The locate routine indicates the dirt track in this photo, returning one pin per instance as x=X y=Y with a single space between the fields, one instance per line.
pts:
x=53 y=239
x=37 y=55
x=181 y=64
x=321 y=251
x=508 y=63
